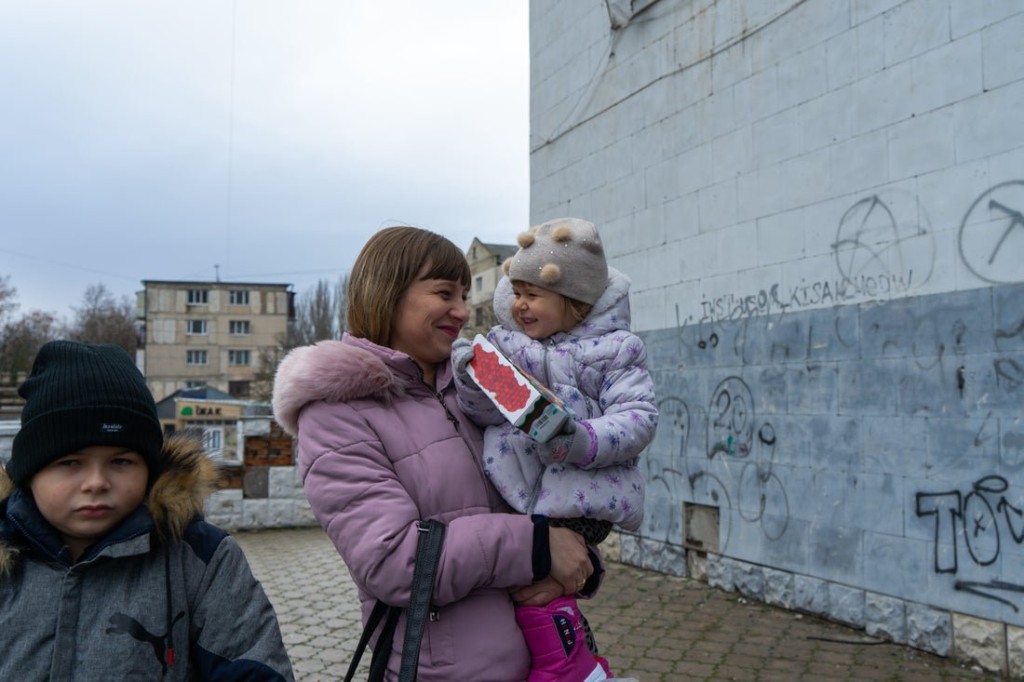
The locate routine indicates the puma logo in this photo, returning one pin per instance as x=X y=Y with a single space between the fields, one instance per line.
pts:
x=122 y=624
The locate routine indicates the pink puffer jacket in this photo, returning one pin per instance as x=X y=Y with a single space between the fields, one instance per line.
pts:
x=378 y=450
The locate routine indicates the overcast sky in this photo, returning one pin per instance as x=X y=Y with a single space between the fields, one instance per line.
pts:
x=159 y=139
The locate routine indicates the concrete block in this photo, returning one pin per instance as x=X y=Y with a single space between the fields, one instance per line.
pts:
x=814 y=390
x=304 y=515
x=656 y=556
x=967 y=17
x=756 y=97
x=1008 y=317
x=255 y=513
x=777 y=137
x=224 y=508
x=893 y=565
x=980 y=641
x=835 y=444
x=922 y=144
x=896 y=445
x=720 y=571
x=1003 y=52
x=870 y=46
x=779 y=239
x=961 y=447
x=779 y=588
x=885 y=617
x=866 y=389
x=846 y=604
x=284 y=482
x=827 y=119
x=876 y=100
x=837 y=552
x=811 y=595
x=988 y=123
x=717 y=205
x=732 y=154
x=915 y=27
x=255 y=481
x=280 y=513
x=841 y=59
x=859 y=163
x=929 y=629
x=947 y=75
x=803 y=76
x=863 y=10
x=1015 y=651
x=748 y=580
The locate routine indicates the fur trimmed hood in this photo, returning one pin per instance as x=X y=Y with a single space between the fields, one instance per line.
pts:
x=334 y=372
x=174 y=500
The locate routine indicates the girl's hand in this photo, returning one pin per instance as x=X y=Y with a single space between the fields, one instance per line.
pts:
x=539 y=593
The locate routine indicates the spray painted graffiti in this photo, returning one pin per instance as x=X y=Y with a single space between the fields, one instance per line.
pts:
x=760 y=494
x=984 y=518
x=992 y=234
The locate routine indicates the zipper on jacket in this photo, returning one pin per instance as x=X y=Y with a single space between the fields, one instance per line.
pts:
x=437 y=394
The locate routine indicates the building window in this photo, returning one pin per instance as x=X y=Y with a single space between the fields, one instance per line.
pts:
x=213 y=441
x=195 y=327
x=238 y=297
x=238 y=357
x=198 y=296
x=239 y=327
x=195 y=384
x=239 y=389
x=479 y=317
x=479 y=284
x=195 y=357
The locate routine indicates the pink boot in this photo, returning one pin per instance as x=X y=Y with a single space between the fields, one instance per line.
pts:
x=557 y=643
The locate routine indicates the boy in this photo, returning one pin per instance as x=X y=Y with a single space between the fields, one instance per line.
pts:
x=107 y=570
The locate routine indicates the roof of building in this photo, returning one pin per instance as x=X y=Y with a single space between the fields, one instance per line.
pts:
x=208 y=283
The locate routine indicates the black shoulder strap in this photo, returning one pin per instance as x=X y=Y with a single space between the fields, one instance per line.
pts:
x=428 y=552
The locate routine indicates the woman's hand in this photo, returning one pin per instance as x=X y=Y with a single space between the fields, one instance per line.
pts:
x=570 y=562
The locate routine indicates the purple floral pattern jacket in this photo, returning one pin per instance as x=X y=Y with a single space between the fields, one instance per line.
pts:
x=599 y=369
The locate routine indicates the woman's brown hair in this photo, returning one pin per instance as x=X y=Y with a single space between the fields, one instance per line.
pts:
x=389 y=263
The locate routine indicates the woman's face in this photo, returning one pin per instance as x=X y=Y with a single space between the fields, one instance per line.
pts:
x=429 y=317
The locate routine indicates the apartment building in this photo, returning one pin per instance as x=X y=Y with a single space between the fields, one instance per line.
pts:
x=485 y=264
x=216 y=334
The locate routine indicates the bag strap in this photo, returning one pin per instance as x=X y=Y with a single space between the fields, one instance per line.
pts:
x=428 y=552
x=380 y=609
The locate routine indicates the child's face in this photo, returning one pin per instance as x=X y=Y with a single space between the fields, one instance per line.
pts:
x=86 y=493
x=540 y=312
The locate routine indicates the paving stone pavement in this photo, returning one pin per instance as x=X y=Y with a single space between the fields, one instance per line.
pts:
x=653 y=627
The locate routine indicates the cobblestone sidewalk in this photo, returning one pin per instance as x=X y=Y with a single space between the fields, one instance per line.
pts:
x=653 y=627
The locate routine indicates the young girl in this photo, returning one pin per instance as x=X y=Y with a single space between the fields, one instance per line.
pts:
x=564 y=318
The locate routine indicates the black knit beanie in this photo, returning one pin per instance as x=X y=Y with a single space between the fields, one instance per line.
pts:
x=80 y=395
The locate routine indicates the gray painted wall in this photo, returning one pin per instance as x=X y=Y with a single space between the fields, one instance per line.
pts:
x=878 y=446
x=820 y=204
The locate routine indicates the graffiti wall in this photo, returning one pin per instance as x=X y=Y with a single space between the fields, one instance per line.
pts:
x=821 y=207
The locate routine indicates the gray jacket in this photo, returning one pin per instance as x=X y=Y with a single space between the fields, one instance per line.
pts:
x=165 y=596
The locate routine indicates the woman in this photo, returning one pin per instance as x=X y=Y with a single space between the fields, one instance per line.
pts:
x=382 y=445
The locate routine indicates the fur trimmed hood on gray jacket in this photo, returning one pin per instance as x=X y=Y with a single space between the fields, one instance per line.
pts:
x=159 y=596
x=174 y=500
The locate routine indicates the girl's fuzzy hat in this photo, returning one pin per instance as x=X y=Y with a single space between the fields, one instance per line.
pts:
x=565 y=256
x=79 y=395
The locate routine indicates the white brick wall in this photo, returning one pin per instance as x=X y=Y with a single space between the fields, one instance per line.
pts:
x=742 y=132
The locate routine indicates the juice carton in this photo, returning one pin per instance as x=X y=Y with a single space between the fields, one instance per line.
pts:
x=522 y=399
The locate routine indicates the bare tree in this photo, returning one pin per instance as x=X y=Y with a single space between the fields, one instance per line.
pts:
x=103 y=318
x=21 y=340
x=320 y=313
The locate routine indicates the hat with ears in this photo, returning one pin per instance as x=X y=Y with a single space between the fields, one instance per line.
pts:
x=80 y=395
x=565 y=256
